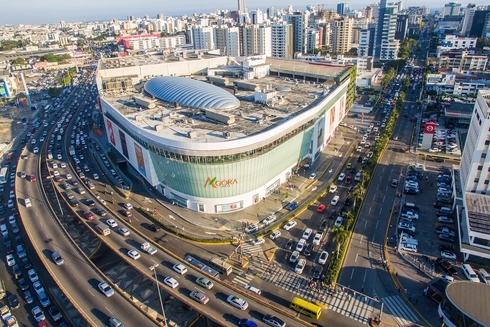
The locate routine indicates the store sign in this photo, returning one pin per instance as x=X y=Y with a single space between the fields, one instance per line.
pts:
x=429 y=128
x=215 y=183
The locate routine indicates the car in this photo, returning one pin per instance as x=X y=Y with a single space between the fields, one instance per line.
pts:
x=199 y=297
x=317 y=239
x=81 y=190
x=9 y=249
x=180 y=268
x=10 y=260
x=321 y=208
x=446 y=230
x=90 y=202
x=38 y=287
x=322 y=259
x=10 y=203
x=301 y=245
x=128 y=206
x=204 y=282
x=170 y=281
x=307 y=233
x=332 y=189
x=341 y=177
x=447 y=238
x=251 y=228
x=317 y=273
x=96 y=176
x=106 y=289
x=275 y=234
x=74 y=202
x=23 y=174
x=290 y=224
x=124 y=231
x=101 y=212
x=127 y=213
x=89 y=215
x=292 y=205
x=13 y=302
x=445 y=220
x=32 y=275
x=154 y=228
x=273 y=321
x=338 y=221
x=44 y=299
x=446 y=266
x=323 y=225
x=300 y=266
x=308 y=250
x=446 y=247
x=347 y=201
x=237 y=302
x=35 y=150
x=55 y=313
x=448 y=255
x=111 y=222
x=38 y=314
x=12 y=194
x=289 y=245
x=294 y=257
x=258 y=241
x=408 y=247
x=410 y=215
x=133 y=254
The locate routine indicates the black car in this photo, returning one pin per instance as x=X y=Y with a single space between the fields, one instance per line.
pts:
x=18 y=240
x=447 y=238
x=23 y=284
x=446 y=247
x=308 y=250
x=90 y=202
x=359 y=159
x=410 y=191
x=333 y=214
x=348 y=201
x=13 y=302
x=324 y=225
x=154 y=228
x=318 y=272
x=101 y=212
x=289 y=245
x=74 y=202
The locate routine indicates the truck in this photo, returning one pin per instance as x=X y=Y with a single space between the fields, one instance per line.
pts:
x=148 y=248
x=103 y=229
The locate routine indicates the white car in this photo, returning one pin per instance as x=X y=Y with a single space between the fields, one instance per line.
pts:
x=38 y=314
x=408 y=247
x=258 y=241
x=290 y=224
x=33 y=275
x=300 y=266
x=294 y=257
x=445 y=220
x=275 y=234
x=332 y=189
x=10 y=260
x=128 y=206
x=12 y=194
x=301 y=245
x=359 y=149
x=111 y=222
x=170 y=281
x=270 y=219
x=10 y=203
x=448 y=255
x=322 y=259
x=180 y=268
x=38 y=287
x=434 y=150
x=313 y=175
x=237 y=302
x=133 y=254
x=317 y=239
x=341 y=177
x=106 y=289
x=124 y=231
x=410 y=215
x=307 y=234
x=96 y=176
x=12 y=220
x=68 y=176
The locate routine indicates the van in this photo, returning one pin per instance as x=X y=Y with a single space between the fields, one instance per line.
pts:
x=103 y=229
x=484 y=276
x=253 y=289
x=412 y=206
x=335 y=200
x=470 y=273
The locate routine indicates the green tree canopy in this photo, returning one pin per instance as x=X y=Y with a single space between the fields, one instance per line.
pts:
x=11 y=44
x=482 y=42
x=18 y=61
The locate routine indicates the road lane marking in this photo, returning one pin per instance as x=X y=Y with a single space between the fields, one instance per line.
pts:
x=369 y=211
x=362 y=236
x=377 y=221
x=365 y=274
x=380 y=209
x=384 y=197
x=365 y=223
x=357 y=254
x=352 y=274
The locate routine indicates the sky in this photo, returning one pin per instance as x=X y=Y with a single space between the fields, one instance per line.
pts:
x=54 y=11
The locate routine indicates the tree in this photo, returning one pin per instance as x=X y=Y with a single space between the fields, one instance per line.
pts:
x=340 y=235
x=482 y=42
x=18 y=61
x=352 y=52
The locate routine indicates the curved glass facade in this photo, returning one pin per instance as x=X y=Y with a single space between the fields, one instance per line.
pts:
x=190 y=93
x=455 y=317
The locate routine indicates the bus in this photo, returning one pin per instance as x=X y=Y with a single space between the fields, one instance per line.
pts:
x=306 y=308
x=4 y=175
x=220 y=265
x=201 y=266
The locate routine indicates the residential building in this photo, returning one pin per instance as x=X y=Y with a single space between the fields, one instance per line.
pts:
x=481 y=24
x=401 y=27
x=282 y=39
x=469 y=14
x=203 y=38
x=228 y=40
x=300 y=26
x=256 y=40
x=241 y=6
x=451 y=9
x=343 y=8
x=464 y=60
x=454 y=42
x=458 y=84
x=385 y=45
x=315 y=37
x=341 y=38
x=366 y=42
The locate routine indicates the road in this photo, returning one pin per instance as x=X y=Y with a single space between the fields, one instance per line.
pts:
x=77 y=277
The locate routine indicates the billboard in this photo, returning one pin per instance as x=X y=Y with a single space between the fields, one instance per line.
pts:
x=20 y=67
x=429 y=128
x=124 y=146
x=140 y=160
x=110 y=131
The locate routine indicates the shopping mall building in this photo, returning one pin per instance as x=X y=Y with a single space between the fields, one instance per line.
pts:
x=217 y=134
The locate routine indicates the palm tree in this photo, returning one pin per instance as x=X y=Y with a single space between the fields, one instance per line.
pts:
x=349 y=217
x=358 y=193
x=340 y=235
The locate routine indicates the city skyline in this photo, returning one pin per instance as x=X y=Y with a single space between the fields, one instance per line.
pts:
x=34 y=12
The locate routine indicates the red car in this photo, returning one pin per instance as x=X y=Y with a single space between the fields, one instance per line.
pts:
x=321 y=208
x=127 y=213
x=348 y=180
x=32 y=178
x=88 y=215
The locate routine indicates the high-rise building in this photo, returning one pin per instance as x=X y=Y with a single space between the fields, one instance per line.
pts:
x=203 y=38
x=469 y=14
x=473 y=211
x=271 y=13
x=481 y=23
x=375 y=10
x=160 y=16
x=241 y=6
x=256 y=16
x=366 y=41
x=343 y=8
x=228 y=40
x=256 y=40
x=385 y=44
x=300 y=25
x=282 y=40
x=451 y=9
x=315 y=37
x=341 y=38
x=401 y=27
x=368 y=12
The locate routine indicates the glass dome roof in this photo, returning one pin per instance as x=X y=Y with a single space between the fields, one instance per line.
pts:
x=190 y=93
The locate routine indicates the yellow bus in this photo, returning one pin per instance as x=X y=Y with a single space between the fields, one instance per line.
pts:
x=306 y=308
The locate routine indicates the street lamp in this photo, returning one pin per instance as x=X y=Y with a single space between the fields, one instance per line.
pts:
x=154 y=269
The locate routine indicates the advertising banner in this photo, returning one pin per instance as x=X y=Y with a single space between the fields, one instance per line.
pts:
x=140 y=159
x=124 y=146
x=430 y=128
x=110 y=132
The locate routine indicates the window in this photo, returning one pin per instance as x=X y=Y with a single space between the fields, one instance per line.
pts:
x=483 y=155
x=486 y=182
x=487 y=142
x=476 y=180
x=480 y=167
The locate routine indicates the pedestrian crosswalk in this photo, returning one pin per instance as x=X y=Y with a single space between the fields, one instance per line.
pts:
x=249 y=249
x=400 y=311
x=344 y=301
